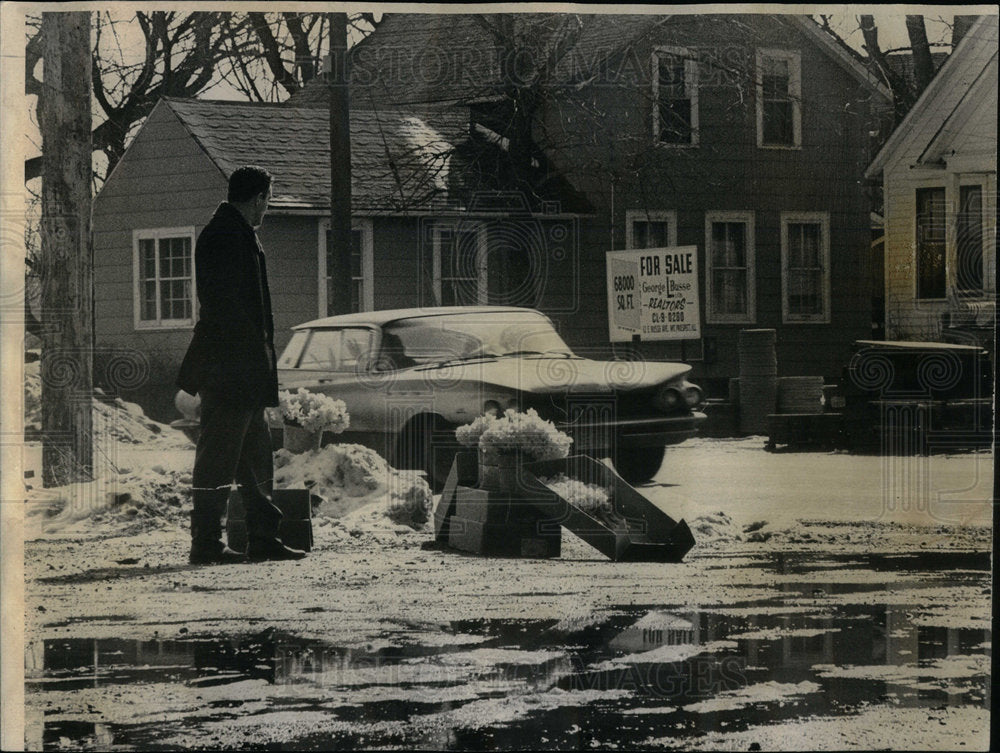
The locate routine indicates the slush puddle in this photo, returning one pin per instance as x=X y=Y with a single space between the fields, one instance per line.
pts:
x=842 y=640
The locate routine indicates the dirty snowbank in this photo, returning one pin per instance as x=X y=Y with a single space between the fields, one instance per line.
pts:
x=142 y=480
x=349 y=477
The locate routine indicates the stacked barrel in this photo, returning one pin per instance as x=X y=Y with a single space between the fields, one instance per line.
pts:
x=800 y=394
x=758 y=385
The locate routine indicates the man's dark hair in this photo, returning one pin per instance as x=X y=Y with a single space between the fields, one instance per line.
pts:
x=247 y=182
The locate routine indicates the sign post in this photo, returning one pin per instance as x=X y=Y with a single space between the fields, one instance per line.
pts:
x=653 y=294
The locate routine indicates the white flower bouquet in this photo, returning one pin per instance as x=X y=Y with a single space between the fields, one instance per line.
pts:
x=312 y=411
x=514 y=432
x=593 y=499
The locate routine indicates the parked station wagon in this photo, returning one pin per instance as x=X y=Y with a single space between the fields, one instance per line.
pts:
x=409 y=377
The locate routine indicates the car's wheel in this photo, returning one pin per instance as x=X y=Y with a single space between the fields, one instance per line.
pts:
x=428 y=443
x=637 y=465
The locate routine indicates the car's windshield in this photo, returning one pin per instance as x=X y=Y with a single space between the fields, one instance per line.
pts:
x=432 y=339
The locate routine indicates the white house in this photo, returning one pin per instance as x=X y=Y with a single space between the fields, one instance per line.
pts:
x=939 y=173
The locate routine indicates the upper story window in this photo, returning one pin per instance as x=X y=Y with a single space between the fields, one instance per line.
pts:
x=650 y=229
x=163 y=274
x=805 y=267
x=675 y=96
x=362 y=268
x=779 y=98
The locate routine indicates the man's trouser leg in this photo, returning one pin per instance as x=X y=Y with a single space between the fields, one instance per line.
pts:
x=255 y=478
x=228 y=431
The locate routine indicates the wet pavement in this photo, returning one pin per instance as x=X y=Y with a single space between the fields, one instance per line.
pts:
x=840 y=635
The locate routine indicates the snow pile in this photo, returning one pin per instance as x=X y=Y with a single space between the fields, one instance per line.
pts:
x=142 y=478
x=114 y=419
x=141 y=473
x=349 y=477
x=118 y=502
x=715 y=528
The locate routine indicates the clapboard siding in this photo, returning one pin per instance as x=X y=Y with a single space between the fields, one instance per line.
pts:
x=164 y=180
x=947 y=139
x=727 y=171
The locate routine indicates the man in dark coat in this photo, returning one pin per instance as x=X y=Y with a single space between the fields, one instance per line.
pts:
x=231 y=365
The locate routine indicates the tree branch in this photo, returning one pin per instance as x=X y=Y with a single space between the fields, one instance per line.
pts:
x=272 y=54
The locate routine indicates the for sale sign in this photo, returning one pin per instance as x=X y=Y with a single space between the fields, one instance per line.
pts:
x=653 y=293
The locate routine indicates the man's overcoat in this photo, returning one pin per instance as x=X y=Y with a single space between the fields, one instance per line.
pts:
x=232 y=351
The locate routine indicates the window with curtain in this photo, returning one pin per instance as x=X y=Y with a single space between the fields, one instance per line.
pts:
x=164 y=285
x=805 y=262
x=650 y=229
x=930 y=242
x=730 y=255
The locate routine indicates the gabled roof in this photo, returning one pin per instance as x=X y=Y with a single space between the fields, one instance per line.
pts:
x=841 y=54
x=952 y=85
x=398 y=162
x=425 y=60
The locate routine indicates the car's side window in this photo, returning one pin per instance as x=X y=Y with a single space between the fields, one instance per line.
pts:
x=323 y=349
x=355 y=349
x=337 y=350
x=290 y=356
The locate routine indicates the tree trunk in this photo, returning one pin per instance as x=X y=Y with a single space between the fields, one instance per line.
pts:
x=66 y=251
x=923 y=64
x=339 y=246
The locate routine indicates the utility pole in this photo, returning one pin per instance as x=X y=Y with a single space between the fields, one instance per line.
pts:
x=67 y=250
x=339 y=238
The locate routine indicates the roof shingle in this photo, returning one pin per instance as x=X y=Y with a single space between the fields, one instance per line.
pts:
x=399 y=163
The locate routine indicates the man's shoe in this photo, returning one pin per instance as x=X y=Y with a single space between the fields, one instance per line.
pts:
x=260 y=550
x=221 y=555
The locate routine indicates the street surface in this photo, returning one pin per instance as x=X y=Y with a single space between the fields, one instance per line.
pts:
x=832 y=601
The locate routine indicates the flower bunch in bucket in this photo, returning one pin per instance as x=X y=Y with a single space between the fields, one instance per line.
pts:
x=312 y=411
x=515 y=432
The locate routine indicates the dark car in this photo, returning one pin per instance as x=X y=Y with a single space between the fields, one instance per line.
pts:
x=409 y=377
x=915 y=396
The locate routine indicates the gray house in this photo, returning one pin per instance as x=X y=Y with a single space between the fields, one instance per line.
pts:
x=429 y=226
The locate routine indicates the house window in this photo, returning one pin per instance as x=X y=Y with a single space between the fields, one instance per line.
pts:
x=730 y=275
x=779 y=98
x=805 y=267
x=931 y=232
x=650 y=229
x=163 y=270
x=675 y=96
x=460 y=264
x=362 y=269
x=969 y=241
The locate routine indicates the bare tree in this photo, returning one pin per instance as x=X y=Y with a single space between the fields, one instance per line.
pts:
x=180 y=58
x=266 y=57
x=273 y=55
x=906 y=81
x=528 y=53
